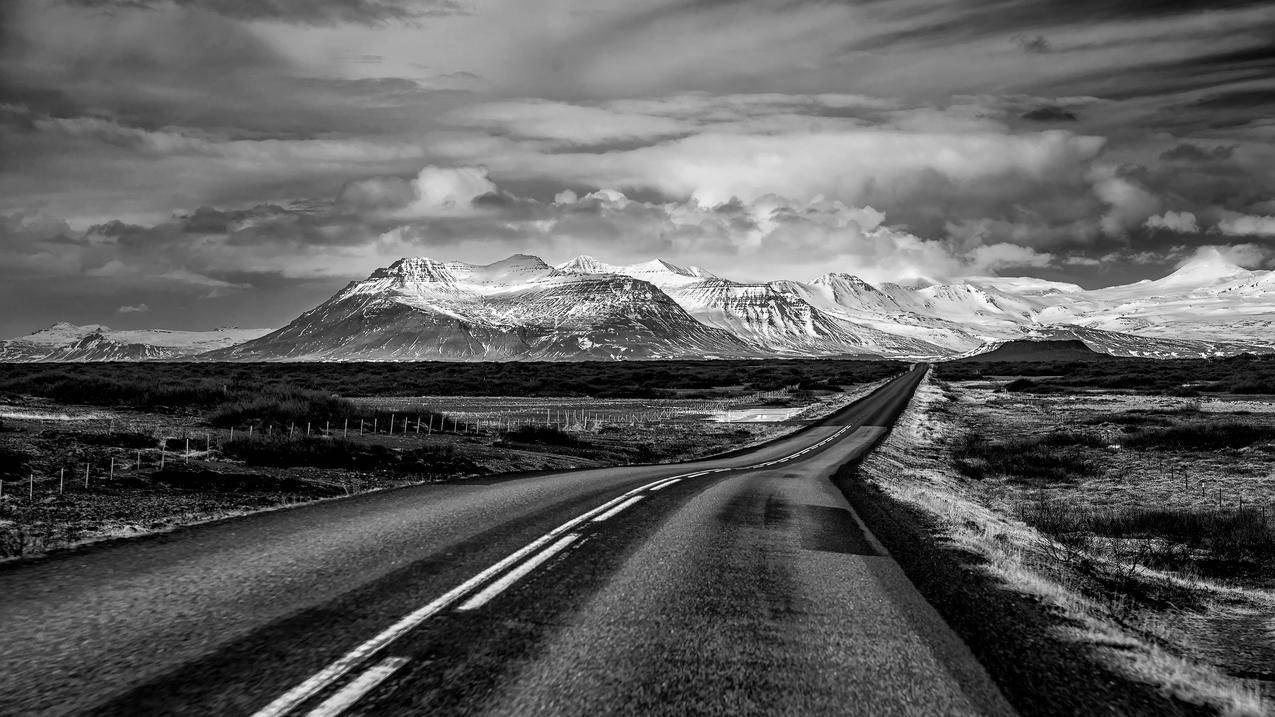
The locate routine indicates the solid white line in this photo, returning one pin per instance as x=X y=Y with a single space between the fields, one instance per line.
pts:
x=516 y=574
x=291 y=699
x=294 y=697
x=620 y=507
x=353 y=692
x=663 y=485
x=659 y=485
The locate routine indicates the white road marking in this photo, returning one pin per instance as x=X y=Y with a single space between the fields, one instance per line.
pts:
x=294 y=697
x=517 y=573
x=659 y=485
x=353 y=692
x=663 y=485
x=623 y=505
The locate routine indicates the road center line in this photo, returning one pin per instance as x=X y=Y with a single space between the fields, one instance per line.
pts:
x=662 y=486
x=353 y=692
x=624 y=505
x=294 y=697
x=517 y=573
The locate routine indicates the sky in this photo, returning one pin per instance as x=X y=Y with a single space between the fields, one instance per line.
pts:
x=200 y=163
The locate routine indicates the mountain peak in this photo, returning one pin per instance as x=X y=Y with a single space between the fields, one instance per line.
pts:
x=417 y=268
x=839 y=279
x=661 y=266
x=1208 y=264
x=68 y=328
x=585 y=264
x=519 y=261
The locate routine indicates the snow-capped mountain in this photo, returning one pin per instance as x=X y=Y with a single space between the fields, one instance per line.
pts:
x=1207 y=307
x=68 y=342
x=522 y=308
x=518 y=308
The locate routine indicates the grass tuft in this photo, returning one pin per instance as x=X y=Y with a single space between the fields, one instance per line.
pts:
x=1058 y=457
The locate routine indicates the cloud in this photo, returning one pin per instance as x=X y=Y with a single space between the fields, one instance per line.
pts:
x=1249 y=256
x=1247 y=225
x=133 y=309
x=1129 y=204
x=1050 y=113
x=1032 y=44
x=436 y=191
x=1187 y=152
x=185 y=276
x=848 y=165
x=1180 y=222
x=315 y=12
x=995 y=257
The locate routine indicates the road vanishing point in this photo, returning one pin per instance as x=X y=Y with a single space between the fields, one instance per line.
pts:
x=742 y=584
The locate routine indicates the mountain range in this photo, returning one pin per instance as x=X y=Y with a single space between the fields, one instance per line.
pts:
x=68 y=342
x=521 y=308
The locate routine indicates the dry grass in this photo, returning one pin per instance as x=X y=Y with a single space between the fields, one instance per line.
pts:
x=1100 y=558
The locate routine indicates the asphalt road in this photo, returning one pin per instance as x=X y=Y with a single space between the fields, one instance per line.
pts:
x=744 y=585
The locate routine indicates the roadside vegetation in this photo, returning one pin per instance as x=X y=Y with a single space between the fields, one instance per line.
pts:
x=1147 y=523
x=93 y=451
x=1245 y=374
x=186 y=386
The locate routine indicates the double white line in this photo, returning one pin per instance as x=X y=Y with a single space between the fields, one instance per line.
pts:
x=557 y=540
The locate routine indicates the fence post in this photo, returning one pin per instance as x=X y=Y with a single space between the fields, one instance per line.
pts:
x=392 y=424
x=112 y=469
x=186 y=455
x=61 y=481
x=347 y=428
x=307 y=429
x=139 y=457
x=31 y=486
x=86 y=476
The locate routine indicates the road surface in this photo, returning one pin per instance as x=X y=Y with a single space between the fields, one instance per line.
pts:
x=737 y=585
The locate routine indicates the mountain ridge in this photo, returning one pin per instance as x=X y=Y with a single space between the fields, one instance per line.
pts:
x=523 y=308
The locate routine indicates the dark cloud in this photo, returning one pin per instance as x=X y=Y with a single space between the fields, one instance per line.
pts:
x=1032 y=44
x=1187 y=152
x=315 y=12
x=1050 y=113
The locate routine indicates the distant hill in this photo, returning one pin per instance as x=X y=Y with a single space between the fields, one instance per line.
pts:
x=1028 y=350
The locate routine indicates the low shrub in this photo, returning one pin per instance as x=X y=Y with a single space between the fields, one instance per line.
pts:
x=1130 y=420
x=1200 y=435
x=281 y=451
x=115 y=440
x=321 y=452
x=197 y=478
x=1061 y=457
x=1218 y=541
x=13 y=462
x=545 y=435
x=280 y=407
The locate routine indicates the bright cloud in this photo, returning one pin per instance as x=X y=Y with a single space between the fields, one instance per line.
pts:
x=1180 y=222
x=1247 y=225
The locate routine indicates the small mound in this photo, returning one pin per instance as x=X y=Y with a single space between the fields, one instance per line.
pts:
x=1027 y=350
